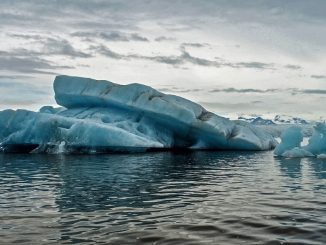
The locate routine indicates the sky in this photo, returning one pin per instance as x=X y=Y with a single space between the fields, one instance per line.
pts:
x=232 y=56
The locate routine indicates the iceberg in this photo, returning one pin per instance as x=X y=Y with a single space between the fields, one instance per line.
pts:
x=292 y=137
x=101 y=116
x=317 y=142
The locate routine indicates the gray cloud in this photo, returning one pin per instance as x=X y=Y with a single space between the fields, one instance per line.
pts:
x=26 y=36
x=184 y=58
x=247 y=90
x=318 y=76
x=178 y=90
x=313 y=91
x=137 y=37
x=105 y=51
x=14 y=77
x=22 y=61
x=190 y=6
x=113 y=14
x=59 y=46
x=106 y=25
x=60 y=14
x=236 y=11
x=253 y=64
x=47 y=33
x=257 y=102
x=163 y=38
x=187 y=57
x=49 y=46
x=293 y=67
x=16 y=19
x=113 y=36
x=293 y=91
x=195 y=45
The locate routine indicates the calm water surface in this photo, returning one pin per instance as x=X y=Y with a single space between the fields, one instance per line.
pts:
x=162 y=198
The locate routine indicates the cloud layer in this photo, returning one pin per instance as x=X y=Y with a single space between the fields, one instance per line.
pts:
x=236 y=50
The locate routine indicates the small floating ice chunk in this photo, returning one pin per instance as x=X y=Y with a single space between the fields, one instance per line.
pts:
x=317 y=142
x=291 y=138
x=291 y=143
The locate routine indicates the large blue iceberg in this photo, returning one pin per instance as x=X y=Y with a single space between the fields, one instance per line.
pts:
x=101 y=116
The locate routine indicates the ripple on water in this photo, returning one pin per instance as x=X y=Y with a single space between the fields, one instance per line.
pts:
x=162 y=198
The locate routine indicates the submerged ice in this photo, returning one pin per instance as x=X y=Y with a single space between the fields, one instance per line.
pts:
x=101 y=116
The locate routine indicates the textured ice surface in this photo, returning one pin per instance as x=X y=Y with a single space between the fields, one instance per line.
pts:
x=297 y=152
x=321 y=156
x=102 y=116
x=292 y=138
x=317 y=142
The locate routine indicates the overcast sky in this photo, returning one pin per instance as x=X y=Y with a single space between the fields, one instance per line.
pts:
x=232 y=56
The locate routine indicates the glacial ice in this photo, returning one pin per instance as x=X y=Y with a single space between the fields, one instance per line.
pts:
x=101 y=116
x=297 y=152
x=317 y=142
x=321 y=156
x=291 y=138
x=291 y=143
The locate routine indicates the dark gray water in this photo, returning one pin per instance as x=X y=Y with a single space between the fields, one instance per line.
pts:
x=162 y=198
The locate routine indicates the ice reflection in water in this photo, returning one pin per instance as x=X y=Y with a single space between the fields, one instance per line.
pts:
x=167 y=198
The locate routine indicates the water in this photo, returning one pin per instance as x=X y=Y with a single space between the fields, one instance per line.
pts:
x=162 y=198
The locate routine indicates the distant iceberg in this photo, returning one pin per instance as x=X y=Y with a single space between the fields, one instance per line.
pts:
x=101 y=116
x=291 y=143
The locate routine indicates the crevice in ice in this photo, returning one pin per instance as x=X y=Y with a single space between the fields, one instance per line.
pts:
x=205 y=115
